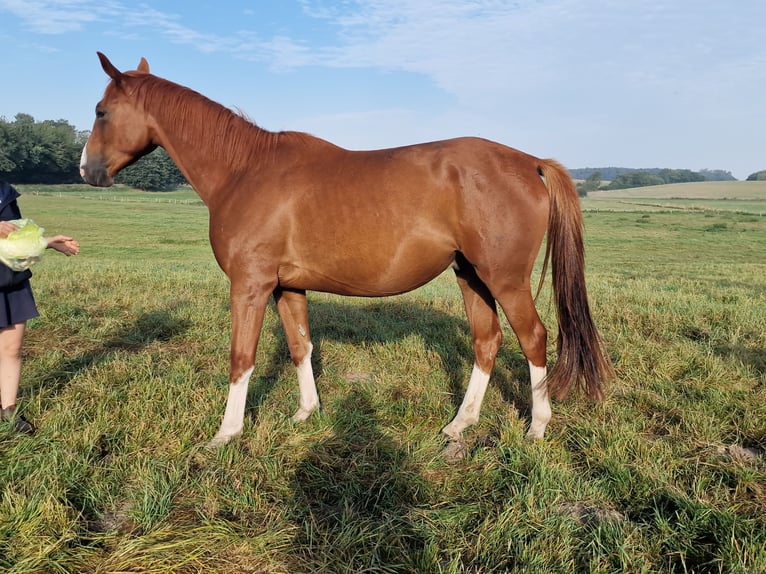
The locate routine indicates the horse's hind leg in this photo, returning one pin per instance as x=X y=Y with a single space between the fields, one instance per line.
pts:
x=293 y=311
x=487 y=336
x=519 y=307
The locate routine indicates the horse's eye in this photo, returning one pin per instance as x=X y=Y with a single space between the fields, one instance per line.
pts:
x=100 y=113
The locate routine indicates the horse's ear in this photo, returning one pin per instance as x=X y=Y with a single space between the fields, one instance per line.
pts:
x=143 y=66
x=109 y=68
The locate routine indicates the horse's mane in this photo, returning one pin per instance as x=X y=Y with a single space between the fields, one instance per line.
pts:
x=237 y=138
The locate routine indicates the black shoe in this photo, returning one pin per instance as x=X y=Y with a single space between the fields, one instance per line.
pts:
x=20 y=424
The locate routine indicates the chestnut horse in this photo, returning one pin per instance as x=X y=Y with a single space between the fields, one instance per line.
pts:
x=290 y=213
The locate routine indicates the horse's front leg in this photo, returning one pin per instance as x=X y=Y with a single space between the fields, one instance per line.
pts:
x=293 y=311
x=248 y=305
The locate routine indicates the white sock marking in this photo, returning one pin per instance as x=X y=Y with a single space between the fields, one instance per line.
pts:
x=469 y=410
x=309 y=398
x=234 y=415
x=541 y=405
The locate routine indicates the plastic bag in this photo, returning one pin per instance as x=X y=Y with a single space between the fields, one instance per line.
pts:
x=23 y=247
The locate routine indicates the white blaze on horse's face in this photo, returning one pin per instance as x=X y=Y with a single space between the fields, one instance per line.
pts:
x=83 y=160
x=93 y=175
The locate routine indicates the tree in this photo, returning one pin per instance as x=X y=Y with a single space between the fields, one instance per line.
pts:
x=680 y=175
x=717 y=175
x=39 y=152
x=591 y=184
x=635 y=179
x=643 y=178
x=153 y=172
x=757 y=176
x=6 y=142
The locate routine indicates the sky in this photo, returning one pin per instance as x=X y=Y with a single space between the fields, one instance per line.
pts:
x=679 y=84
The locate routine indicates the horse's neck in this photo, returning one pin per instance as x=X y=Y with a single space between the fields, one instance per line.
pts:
x=200 y=145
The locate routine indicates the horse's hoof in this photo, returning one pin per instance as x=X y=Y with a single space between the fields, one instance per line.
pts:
x=302 y=414
x=532 y=436
x=455 y=450
x=217 y=442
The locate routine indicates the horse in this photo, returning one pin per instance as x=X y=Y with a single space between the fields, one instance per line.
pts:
x=291 y=213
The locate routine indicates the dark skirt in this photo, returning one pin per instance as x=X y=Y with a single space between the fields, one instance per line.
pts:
x=17 y=305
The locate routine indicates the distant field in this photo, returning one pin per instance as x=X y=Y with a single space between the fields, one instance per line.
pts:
x=740 y=196
x=125 y=373
x=696 y=190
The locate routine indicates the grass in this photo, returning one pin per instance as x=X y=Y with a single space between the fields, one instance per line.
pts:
x=125 y=375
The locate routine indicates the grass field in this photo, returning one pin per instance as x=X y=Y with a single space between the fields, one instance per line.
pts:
x=125 y=375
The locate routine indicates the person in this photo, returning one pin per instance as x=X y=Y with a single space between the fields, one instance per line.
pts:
x=17 y=306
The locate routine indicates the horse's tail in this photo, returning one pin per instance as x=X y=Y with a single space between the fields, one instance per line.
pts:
x=581 y=357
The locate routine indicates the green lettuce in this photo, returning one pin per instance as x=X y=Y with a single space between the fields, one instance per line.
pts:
x=23 y=247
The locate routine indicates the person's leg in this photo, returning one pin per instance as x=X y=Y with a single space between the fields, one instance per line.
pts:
x=11 y=340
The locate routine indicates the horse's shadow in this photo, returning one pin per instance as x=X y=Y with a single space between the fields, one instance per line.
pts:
x=352 y=491
x=145 y=330
x=383 y=321
x=755 y=358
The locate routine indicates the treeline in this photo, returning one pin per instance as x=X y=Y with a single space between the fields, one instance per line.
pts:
x=612 y=173
x=638 y=178
x=40 y=152
x=662 y=177
x=49 y=152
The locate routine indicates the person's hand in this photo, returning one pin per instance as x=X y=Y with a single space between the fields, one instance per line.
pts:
x=7 y=227
x=62 y=244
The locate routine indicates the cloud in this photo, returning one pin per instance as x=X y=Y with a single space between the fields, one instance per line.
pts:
x=56 y=17
x=147 y=18
x=474 y=48
x=452 y=41
x=482 y=52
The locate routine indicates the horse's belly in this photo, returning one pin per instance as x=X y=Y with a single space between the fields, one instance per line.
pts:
x=365 y=277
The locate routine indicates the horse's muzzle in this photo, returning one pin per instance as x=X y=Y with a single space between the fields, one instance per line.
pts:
x=93 y=171
x=96 y=175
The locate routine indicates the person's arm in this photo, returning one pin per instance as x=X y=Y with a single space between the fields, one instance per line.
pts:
x=60 y=243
